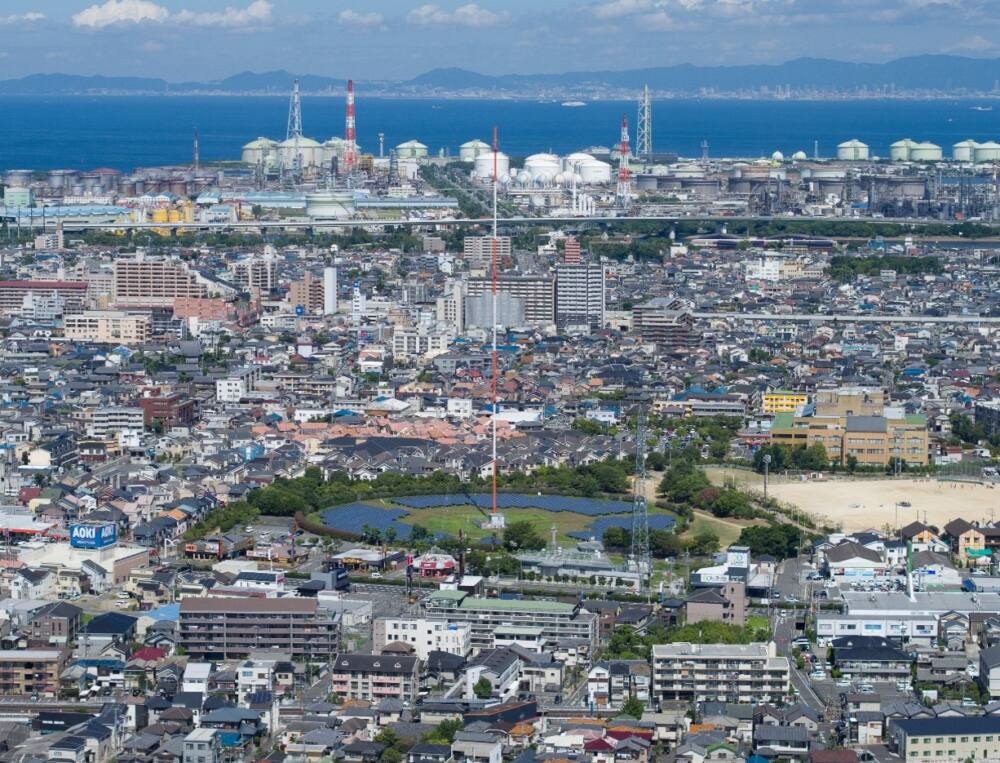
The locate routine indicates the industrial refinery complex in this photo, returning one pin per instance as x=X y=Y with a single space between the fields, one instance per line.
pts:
x=300 y=179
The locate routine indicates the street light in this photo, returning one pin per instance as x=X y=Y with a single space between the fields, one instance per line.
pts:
x=767 y=464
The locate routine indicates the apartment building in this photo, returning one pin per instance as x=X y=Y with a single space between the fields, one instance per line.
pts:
x=315 y=293
x=174 y=410
x=937 y=740
x=664 y=322
x=556 y=621
x=424 y=635
x=536 y=294
x=31 y=671
x=746 y=673
x=260 y=273
x=154 y=282
x=237 y=385
x=213 y=628
x=108 y=327
x=374 y=677
x=580 y=295
x=417 y=342
x=478 y=250
x=16 y=296
x=109 y=421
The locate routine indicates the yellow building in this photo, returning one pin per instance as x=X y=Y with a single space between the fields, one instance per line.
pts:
x=872 y=440
x=783 y=401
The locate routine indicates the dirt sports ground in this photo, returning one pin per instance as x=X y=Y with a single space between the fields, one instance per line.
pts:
x=858 y=504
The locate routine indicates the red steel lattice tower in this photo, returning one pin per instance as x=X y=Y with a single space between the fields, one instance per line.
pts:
x=351 y=150
x=624 y=176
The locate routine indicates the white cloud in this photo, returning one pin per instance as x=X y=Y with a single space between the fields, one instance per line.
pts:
x=469 y=15
x=257 y=12
x=120 y=12
x=21 y=18
x=115 y=12
x=353 y=18
x=617 y=8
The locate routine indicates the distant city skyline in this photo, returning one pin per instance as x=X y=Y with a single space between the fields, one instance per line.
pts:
x=396 y=39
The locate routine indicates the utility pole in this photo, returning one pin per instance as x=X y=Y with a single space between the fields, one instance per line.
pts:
x=767 y=465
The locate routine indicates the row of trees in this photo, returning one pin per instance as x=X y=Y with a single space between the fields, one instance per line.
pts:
x=846 y=269
x=685 y=483
x=663 y=543
x=626 y=644
x=780 y=540
x=310 y=492
x=805 y=458
x=231 y=515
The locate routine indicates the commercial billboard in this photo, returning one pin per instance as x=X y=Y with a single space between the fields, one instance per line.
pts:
x=93 y=536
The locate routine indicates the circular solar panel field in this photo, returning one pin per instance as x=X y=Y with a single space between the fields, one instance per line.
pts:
x=447 y=515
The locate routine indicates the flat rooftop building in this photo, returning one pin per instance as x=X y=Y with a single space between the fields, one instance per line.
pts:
x=230 y=628
x=719 y=672
x=557 y=620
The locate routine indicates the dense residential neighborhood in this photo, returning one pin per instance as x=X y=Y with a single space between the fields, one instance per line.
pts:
x=252 y=508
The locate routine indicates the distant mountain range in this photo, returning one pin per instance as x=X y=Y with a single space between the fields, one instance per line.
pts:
x=915 y=74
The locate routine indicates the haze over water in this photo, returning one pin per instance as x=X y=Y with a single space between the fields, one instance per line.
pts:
x=129 y=131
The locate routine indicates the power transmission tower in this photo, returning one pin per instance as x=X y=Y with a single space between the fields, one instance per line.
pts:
x=644 y=127
x=294 y=132
x=639 y=558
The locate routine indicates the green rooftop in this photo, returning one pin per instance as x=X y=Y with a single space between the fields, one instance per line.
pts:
x=518 y=605
x=785 y=420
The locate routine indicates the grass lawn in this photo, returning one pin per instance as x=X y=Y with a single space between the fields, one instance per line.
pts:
x=758 y=621
x=728 y=530
x=451 y=519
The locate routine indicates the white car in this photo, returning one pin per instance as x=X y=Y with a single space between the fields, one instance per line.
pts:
x=376 y=575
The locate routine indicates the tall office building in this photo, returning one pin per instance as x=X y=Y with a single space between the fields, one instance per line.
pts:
x=580 y=295
x=537 y=295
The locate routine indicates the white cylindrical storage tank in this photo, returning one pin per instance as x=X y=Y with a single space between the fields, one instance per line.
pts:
x=255 y=151
x=594 y=172
x=900 y=150
x=573 y=160
x=542 y=167
x=799 y=156
x=335 y=148
x=964 y=150
x=309 y=150
x=987 y=152
x=330 y=205
x=469 y=151
x=925 y=152
x=411 y=149
x=523 y=177
x=852 y=151
x=483 y=165
x=777 y=156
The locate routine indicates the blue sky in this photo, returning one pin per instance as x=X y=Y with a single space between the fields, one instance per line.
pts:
x=396 y=39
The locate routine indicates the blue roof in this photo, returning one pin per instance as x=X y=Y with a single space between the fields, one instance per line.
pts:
x=166 y=612
x=984 y=724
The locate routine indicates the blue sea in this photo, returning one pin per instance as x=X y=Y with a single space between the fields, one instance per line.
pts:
x=132 y=131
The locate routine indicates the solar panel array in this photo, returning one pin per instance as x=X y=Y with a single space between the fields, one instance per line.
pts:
x=352 y=517
x=596 y=528
x=593 y=507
